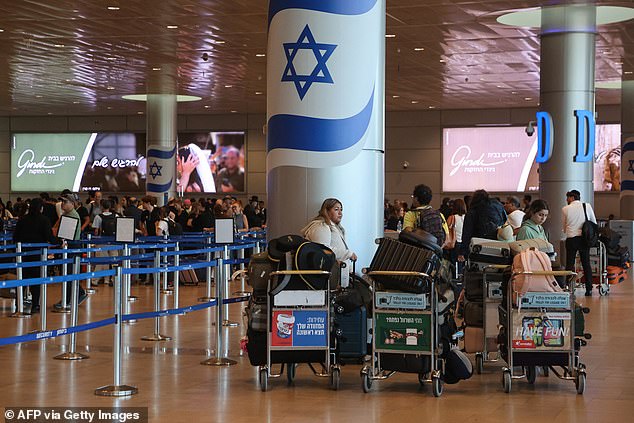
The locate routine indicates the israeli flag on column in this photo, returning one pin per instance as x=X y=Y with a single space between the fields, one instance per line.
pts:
x=321 y=79
x=627 y=168
x=160 y=169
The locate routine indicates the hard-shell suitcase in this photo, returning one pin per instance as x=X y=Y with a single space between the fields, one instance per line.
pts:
x=351 y=332
x=474 y=340
x=473 y=313
x=395 y=255
x=616 y=274
x=260 y=267
x=188 y=277
x=619 y=257
x=486 y=251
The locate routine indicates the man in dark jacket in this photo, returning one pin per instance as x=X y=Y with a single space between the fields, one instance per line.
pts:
x=483 y=219
x=34 y=227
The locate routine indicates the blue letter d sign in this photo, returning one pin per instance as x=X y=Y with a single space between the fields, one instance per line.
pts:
x=544 y=137
x=585 y=136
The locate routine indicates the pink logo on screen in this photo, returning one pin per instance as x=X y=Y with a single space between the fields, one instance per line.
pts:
x=461 y=159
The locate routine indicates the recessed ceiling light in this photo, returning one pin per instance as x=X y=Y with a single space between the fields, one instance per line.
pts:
x=528 y=98
x=500 y=86
x=431 y=107
x=111 y=58
x=618 y=63
x=627 y=72
x=259 y=93
x=38 y=96
x=234 y=111
x=75 y=102
x=113 y=7
x=139 y=113
x=172 y=26
x=395 y=96
x=207 y=106
x=110 y=88
x=180 y=98
x=442 y=60
x=219 y=42
x=49 y=113
x=609 y=85
x=109 y=107
x=414 y=101
x=513 y=92
x=260 y=55
x=58 y=45
x=228 y=86
x=419 y=49
x=390 y=35
x=1 y=30
x=156 y=69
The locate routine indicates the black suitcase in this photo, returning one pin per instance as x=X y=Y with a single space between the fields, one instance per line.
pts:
x=395 y=255
x=473 y=286
x=406 y=363
x=351 y=332
x=473 y=313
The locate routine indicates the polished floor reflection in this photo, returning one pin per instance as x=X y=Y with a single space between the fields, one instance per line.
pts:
x=177 y=388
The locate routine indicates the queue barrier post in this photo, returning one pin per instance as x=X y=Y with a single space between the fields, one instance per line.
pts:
x=176 y=275
x=241 y=272
x=72 y=353
x=157 y=302
x=218 y=360
x=208 y=257
x=43 y=290
x=19 y=291
x=224 y=287
x=89 y=288
x=64 y=306
x=117 y=389
x=166 y=290
x=126 y=281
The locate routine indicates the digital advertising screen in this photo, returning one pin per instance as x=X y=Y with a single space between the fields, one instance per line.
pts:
x=106 y=161
x=211 y=162
x=498 y=159
x=502 y=159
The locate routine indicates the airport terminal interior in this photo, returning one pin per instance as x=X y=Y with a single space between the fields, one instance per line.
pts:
x=84 y=86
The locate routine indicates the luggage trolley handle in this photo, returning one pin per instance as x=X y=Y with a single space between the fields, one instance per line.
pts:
x=397 y=273
x=285 y=281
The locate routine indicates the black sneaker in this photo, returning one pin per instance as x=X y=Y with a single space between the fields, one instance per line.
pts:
x=82 y=297
x=588 y=293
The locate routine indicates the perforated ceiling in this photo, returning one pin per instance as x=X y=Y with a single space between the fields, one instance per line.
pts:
x=79 y=57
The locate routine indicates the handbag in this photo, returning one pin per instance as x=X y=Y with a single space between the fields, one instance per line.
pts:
x=505 y=232
x=589 y=230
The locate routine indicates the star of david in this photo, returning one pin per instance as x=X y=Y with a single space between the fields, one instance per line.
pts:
x=320 y=73
x=631 y=168
x=155 y=170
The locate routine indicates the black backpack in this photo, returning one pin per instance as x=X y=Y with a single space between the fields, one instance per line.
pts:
x=589 y=230
x=108 y=224
x=174 y=228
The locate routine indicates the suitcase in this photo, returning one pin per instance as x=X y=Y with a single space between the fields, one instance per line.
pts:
x=473 y=313
x=485 y=251
x=539 y=244
x=616 y=275
x=260 y=267
x=396 y=255
x=351 y=331
x=422 y=239
x=619 y=257
x=474 y=340
x=406 y=363
x=580 y=319
x=609 y=237
x=188 y=277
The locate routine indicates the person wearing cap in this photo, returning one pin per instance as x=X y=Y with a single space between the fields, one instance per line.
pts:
x=68 y=209
x=574 y=216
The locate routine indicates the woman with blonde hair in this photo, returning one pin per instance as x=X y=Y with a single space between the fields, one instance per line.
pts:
x=326 y=229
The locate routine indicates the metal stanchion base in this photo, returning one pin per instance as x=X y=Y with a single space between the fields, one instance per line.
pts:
x=206 y=299
x=116 y=391
x=71 y=356
x=156 y=337
x=91 y=291
x=230 y=324
x=60 y=310
x=241 y=294
x=133 y=298
x=168 y=291
x=220 y=362
x=20 y=315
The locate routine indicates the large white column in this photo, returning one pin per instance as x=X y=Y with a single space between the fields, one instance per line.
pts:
x=627 y=150
x=325 y=115
x=566 y=84
x=161 y=119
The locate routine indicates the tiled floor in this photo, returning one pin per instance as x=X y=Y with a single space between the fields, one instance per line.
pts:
x=176 y=388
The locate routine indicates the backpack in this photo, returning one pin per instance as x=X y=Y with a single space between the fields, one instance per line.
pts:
x=432 y=221
x=589 y=230
x=174 y=228
x=108 y=224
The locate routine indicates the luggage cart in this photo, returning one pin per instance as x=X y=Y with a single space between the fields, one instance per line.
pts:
x=537 y=336
x=404 y=324
x=599 y=264
x=491 y=295
x=298 y=321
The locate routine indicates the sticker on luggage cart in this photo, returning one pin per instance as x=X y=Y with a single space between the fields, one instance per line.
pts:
x=403 y=332
x=299 y=328
x=546 y=299
x=541 y=331
x=400 y=300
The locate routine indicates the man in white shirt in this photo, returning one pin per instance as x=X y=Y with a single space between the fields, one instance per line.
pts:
x=514 y=213
x=574 y=217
